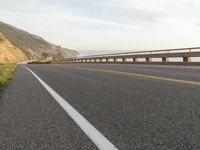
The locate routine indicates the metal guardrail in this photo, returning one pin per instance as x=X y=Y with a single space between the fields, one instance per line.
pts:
x=185 y=53
x=150 y=52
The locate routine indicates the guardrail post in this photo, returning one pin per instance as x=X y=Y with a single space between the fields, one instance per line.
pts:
x=123 y=59
x=165 y=59
x=187 y=59
x=148 y=59
x=114 y=60
x=107 y=60
x=135 y=59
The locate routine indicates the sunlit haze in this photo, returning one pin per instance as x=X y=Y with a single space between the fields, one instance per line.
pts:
x=108 y=24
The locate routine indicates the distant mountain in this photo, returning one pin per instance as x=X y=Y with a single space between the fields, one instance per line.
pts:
x=26 y=46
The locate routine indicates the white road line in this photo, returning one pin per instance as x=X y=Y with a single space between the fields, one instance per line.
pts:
x=99 y=140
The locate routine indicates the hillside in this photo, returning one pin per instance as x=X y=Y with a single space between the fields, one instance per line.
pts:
x=10 y=53
x=26 y=46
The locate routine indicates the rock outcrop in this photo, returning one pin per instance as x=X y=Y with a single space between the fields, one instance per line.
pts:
x=18 y=45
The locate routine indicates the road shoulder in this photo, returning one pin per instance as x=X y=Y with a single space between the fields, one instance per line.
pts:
x=31 y=119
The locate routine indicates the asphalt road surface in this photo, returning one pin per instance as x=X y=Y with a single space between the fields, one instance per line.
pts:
x=133 y=107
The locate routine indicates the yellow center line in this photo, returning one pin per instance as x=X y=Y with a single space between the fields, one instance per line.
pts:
x=140 y=75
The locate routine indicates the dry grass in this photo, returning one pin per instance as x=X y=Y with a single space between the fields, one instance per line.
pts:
x=6 y=73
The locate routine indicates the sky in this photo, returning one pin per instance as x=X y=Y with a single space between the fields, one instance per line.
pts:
x=108 y=25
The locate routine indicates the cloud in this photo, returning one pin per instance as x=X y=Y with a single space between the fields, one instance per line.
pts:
x=136 y=16
x=127 y=14
x=198 y=24
x=118 y=11
x=52 y=11
x=98 y=24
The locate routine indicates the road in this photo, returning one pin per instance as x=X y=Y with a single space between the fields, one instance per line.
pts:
x=134 y=107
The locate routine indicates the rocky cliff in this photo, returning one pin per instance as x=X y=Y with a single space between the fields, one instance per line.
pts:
x=18 y=45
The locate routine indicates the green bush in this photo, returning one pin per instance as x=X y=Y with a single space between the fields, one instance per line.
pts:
x=5 y=73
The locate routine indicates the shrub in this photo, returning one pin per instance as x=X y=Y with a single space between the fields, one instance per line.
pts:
x=5 y=73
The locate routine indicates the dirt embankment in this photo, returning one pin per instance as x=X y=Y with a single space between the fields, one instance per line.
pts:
x=9 y=53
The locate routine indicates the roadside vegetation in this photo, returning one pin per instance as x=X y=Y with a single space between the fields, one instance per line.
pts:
x=5 y=74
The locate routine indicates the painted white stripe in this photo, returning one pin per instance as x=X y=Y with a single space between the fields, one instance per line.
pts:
x=99 y=140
